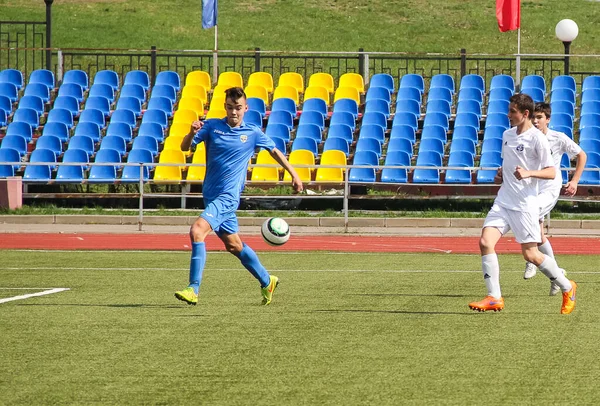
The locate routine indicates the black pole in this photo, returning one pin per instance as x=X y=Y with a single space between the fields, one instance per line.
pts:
x=361 y=62
x=463 y=62
x=48 y=33
x=152 y=64
x=567 y=45
x=256 y=59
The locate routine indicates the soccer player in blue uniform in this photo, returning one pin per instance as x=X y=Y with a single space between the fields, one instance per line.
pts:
x=229 y=145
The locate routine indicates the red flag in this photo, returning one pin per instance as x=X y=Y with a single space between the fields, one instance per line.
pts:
x=508 y=13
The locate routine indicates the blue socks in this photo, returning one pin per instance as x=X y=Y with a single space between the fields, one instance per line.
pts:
x=251 y=262
x=197 y=264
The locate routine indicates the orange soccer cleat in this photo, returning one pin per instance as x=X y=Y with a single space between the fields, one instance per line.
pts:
x=488 y=303
x=568 y=303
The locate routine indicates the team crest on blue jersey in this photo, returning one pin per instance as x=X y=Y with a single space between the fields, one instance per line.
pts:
x=243 y=138
x=520 y=147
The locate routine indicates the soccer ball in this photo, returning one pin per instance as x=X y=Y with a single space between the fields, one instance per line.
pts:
x=275 y=231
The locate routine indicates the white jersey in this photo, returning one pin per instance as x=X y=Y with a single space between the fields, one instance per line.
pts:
x=559 y=144
x=529 y=150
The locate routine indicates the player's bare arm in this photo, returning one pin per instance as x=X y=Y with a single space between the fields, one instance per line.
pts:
x=282 y=160
x=571 y=186
x=498 y=177
x=187 y=140
x=546 y=173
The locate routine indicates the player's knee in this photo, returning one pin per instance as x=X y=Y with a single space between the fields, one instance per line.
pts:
x=485 y=245
x=197 y=232
x=234 y=248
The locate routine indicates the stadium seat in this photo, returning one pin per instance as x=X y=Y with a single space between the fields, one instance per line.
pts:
x=561 y=119
x=346 y=93
x=372 y=131
x=382 y=80
x=131 y=174
x=257 y=92
x=171 y=173
x=403 y=131
x=198 y=77
x=105 y=173
x=15 y=142
x=230 y=79
x=70 y=173
x=472 y=80
x=301 y=157
x=153 y=130
x=395 y=175
x=282 y=117
x=155 y=116
x=423 y=175
x=331 y=157
x=374 y=118
x=81 y=143
x=436 y=118
x=431 y=144
x=535 y=93
x=588 y=120
x=405 y=118
x=76 y=155
x=114 y=142
x=278 y=130
x=32 y=102
x=56 y=129
x=29 y=116
x=336 y=143
x=6 y=104
x=133 y=90
x=354 y=80
x=497 y=120
x=185 y=103
x=409 y=93
x=590 y=95
x=313 y=131
x=413 y=80
x=10 y=91
x=280 y=144
x=362 y=175
x=13 y=76
x=590 y=145
x=197 y=91
x=343 y=117
x=498 y=107
x=265 y=174
x=439 y=93
x=367 y=144
x=168 y=92
x=305 y=143
x=165 y=104
x=102 y=90
x=85 y=128
x=130 y=103
x=438 y=106
x=119 y=129
x=458 y=176
x=343 y=131
x=8 y=154
x=317 y=93
x=169 y=78
x=287 y=92
x=504 y=81
x=3 y=118
x=107 y=77
x=493 y=131
x=442 y=80
x=346 y=105
x=21 y=129
x=461 y=158
x=470 y=93
x=408 y=106
x=589 y=133
x=49 y=142
x=263 y=79
x=563 y=82
x=462 y=145
x=258 y=105
x=465 y=132
x=38 y=89
x=322 y=79
x=292 y=79
x=68 y=103
x=467 y=119
x=185 y=116
x=534 y=81
x=253 y=117
x=146 y=142
x=315 y=104
x=78 y=77
x=94 y=102
x=95 y=116
x=562 y=94
x=38 y=173
x=285 y=104
x=591 y=177
x=379 y=106
x=137 y=77
x=400 y=144
x=71 y=89
x=197 y=173
x=590 y=107
x=491 y=145
x=471 y=107
x=562 y=129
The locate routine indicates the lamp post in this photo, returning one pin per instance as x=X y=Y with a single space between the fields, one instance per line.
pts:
x=48 y=33
x=566 y=31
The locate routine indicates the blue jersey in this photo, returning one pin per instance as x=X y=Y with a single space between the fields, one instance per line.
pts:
x=228 y=151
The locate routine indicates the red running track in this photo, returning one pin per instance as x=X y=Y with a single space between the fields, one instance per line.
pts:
x=345 y=243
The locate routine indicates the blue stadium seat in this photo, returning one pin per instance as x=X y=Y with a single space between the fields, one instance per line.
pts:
x=564 y=82
x=565 y=130
x=107 y=77
x=431 y=144
x=13 y=76
x=254 y=117
x=137 y=77
x=409 y=93
x=590 y=95
x=166 y=91
x=400 y=144
x=498 y=107
x=21 y=129
x=591 y=177
x=61 y=116
x=343 y=117
x=102 y=173
x=461 y=158
x=68 y=103
x=534 y=81
x=78 y=77
x=561 y=119
x=458 y=176
x=362 y=175
x=383 y=80
x=493 y=131
x=114 y=142
x=365 y=157
x=80 y=143
x=51 y=143
x=76 y=155
x=26 y=115
x=6 y=104
x=501 y=93
x=285 y=104
x=38 y=89
x=395 y=175
x=408 y=106
x=168 y=77
x=6 y=170
x=497 y=119
x=153 y=130
x=9 y=90
x=472 y=80
x=8 y=154
x=118 y=129
x=439 y=93
x=131 y=174
x=536 y=94
x=3 y=118
x=312 y=118
x=469 y=106
x=422 y=175
x=98 y=103
x=379 y=93
x=470 y=93
x=309 y=144
x=281 y=117
x=374 y=118
x=133 y=90
x=413 y=80
x=336 y=143
x=41 y=155
x=37 y=173
x=125 y=116
x=489 y=160
x=32 y=102
x=280 y=144
x=403 y=131
x=146 y=142
x=562 y=94
x=88 y=129
x=71 y=89
x=491 y=145
x=309 y=131
x=565 y=163
x=589 y=133
x=462 y=145
x=434 y=132
x=254 y=103
x=378 y=106
x=436 y=118
x=369 y=144
x=465 y=132
x=438 y=106
x=372 y=131
x=504 y=81
x=315 y=104
x=588 y=120
x=590 y=145
x=467 y=119
x=156 y=116
x=131 y=104
x=442 y=80
x=278 y=130
x=70 y=174
x=102 y=90
x=343 y=131
x=590 y=107
x=346 y=105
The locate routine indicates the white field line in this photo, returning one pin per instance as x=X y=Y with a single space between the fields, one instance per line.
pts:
x=272 y=270
x=21 y=297
x=261 y=252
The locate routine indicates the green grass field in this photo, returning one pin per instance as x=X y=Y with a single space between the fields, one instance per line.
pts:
x=342 y=329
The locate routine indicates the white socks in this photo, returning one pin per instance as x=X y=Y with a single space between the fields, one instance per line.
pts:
x=550 y=268
x=546 y=249
x=491 y=274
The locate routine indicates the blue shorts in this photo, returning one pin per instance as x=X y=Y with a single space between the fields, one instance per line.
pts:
x=220 y=214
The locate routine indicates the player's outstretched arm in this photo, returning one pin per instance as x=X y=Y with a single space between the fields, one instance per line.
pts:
x=571 y=186
x=282 y=160
x=187 y=140
x=548 y=172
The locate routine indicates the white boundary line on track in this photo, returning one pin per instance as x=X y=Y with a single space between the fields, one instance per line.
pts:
x=187 y=252
x=21 y=297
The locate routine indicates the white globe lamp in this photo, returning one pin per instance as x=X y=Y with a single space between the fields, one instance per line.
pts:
x=566 y=31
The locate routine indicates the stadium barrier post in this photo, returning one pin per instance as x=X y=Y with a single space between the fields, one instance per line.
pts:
x=48 y=34
x=141 y=208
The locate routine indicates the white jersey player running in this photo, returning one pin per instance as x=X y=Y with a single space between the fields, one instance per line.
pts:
x=549 y=190
x=526 y=159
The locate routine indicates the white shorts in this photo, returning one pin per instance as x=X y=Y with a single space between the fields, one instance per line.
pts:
x=524 y=225
x=547 y=200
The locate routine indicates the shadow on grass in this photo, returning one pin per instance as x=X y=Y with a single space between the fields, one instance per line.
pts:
x=125 y=306
x=393 y=312
x=405 y=295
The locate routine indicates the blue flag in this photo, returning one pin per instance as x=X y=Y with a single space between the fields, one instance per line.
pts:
x=209 y=13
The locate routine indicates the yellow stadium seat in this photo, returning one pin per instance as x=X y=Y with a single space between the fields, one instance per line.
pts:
x=191 y=103
x=179 y=129
x=301 y=157
x=257 y=91
x=185 y=116
x=264 y=157
x=231 y=79
x=352 y=80
x=197 y=91
x=216 y=113
x=217 y=103
x=197 y=173
x=169 y=174
x=316 y=92
x=198 y=77
x=292 y=79
x=322 y=79
x=331 y=157
x=265 y=174
x=173 y=142
x=219 y=91
x=347 y=93
x=263 y=79
x=286 y=92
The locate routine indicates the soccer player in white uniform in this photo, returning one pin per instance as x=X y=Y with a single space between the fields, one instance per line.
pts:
x=526 y=159
x=549 y=190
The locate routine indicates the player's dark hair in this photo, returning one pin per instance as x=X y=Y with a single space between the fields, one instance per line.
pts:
x=235 y=93
x=543 y=108
x=524 y=102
